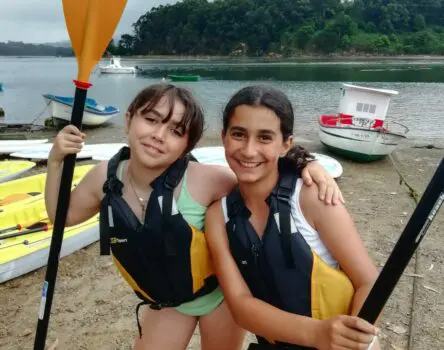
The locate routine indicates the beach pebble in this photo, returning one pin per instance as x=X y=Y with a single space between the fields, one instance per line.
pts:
x=395 y=347
x=431 y=289
x=398 y=329
x=27 y=332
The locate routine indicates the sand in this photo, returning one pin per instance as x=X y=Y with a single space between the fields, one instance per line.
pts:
x=94 y=308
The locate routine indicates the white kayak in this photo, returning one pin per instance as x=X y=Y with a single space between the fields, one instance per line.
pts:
x=11 y=146
x=22 y=142
x=88 y=151
x=215 y=155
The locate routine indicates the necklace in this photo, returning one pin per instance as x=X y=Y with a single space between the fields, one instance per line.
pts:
x=140 y=199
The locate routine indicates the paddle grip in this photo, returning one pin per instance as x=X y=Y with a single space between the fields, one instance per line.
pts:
x=58 y=229
x=404 y=249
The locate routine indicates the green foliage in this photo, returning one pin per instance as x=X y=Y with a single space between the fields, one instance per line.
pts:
x=288 y=27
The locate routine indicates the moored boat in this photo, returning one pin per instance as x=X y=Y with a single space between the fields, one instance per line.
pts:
x=93 y=115
x=360 y=130
x=115 y=67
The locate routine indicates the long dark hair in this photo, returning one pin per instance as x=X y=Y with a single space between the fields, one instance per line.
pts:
x=278 y=102
x=193 y=118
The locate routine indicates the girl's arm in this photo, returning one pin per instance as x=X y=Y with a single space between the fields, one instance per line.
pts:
x=340 y=236
x=266 y=320
x=212 y=182
x=85 y=199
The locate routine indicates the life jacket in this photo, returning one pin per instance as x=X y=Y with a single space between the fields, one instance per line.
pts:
x=281 y=268
x=164 y=259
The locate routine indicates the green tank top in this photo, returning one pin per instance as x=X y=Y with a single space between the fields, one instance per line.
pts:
x=194 y=213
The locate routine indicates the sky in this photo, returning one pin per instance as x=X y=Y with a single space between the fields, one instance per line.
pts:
x=42 y=21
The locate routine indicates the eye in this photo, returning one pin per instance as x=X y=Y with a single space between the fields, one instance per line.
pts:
x=151 y=120
x=177 y=132
x=265 y=138
x=237 y=134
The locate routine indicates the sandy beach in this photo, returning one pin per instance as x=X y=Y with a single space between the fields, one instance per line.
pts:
x=94 y=308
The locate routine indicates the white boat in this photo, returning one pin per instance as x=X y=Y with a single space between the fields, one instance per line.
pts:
x=94 y=114
x=115 y=67
x=360 y=130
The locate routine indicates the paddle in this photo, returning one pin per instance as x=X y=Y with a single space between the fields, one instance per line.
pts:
x=44 y=227
x=90 y=24
x=12 y=228
x=19 y=227
x=410 y=239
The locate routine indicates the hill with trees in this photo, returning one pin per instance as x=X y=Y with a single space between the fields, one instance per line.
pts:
x=288 y=27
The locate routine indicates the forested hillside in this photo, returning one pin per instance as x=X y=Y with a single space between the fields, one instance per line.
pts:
x=288 y=27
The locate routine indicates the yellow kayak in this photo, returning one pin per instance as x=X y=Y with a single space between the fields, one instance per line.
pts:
x=25 y=230
x=11 y=169
x=20 y=200
x=22 y=251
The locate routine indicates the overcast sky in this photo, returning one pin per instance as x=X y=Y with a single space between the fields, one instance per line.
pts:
x=39 y=21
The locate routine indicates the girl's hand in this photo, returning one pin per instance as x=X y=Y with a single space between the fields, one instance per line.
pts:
x=68 y=141
x=329 y=191
x=345 y=332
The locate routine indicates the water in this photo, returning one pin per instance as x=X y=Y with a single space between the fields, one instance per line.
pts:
x=313 y=87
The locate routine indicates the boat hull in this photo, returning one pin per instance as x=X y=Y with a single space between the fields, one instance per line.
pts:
x=12 y=169
x=120 y=70
x=61 y=114
x=30 y=252
x=361 y=145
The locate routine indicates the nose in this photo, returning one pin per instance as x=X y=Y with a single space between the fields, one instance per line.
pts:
x=159 y=132
x=249 y=150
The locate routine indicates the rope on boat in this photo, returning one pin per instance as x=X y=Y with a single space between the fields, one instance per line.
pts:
x=415 y=285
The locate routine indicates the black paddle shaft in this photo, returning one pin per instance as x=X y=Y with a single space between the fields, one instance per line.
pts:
x=411 y=237
x=59 y=226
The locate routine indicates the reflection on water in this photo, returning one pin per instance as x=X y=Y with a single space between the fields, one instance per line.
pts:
x=313 y=86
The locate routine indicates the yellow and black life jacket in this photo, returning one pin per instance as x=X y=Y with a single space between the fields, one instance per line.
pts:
x=165 y=260
x=281 y=268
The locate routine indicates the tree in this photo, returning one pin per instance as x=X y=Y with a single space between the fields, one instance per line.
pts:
x=126 y=44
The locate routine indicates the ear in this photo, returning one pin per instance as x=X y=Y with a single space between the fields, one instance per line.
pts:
x=127 y=122
x=287 y=144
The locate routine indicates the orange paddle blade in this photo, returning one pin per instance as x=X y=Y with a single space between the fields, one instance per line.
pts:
x=91 y=24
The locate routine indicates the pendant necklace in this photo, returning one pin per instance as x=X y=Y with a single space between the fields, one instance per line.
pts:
x=140 y=199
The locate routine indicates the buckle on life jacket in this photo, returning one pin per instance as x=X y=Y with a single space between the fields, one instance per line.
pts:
x=113 y=184
x=284 y=194
x=160 y=306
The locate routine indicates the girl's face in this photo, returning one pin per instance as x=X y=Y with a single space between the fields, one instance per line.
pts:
x=155 y=143
x=253 y=143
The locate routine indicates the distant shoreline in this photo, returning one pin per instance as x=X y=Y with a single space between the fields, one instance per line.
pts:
x=334 y=57
x=299 y=57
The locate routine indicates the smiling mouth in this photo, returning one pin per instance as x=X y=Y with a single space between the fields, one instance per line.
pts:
x=249 y=165
x=152 y=148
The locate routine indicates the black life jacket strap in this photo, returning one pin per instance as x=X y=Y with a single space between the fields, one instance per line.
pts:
x=111 y=185
x=172 y=179
x=105 y=228
x=234 y=208
x=285 y=190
